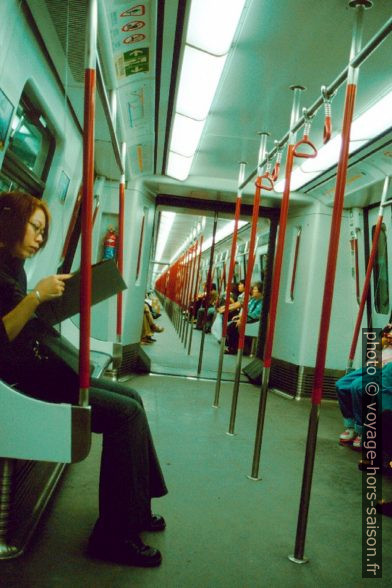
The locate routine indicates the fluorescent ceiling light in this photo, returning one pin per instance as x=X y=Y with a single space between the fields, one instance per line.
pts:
x=212 y=24
x=367 y=126
x=200 y=75
x=186 y=135
x=165 y=225
x=223 y=233
x=210 y=33
x=178 y=166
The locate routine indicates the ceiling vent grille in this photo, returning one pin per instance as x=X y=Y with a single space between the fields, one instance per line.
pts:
x=69 y=19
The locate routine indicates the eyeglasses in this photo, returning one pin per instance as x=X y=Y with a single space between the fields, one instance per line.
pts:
x=38 y=230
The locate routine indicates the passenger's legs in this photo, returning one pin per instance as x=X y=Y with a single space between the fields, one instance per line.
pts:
x=130 y=472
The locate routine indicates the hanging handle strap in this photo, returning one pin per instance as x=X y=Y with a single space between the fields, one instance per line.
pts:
x=276 y=170
x=267 y=177
x=305 y=141
x=327 y=114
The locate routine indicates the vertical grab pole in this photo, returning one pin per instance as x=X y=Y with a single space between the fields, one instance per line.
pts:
x=352 y=79
x=190 y=289
x=87 y=201
x=120 y=256
x=195 y=290
x=187 y=278
x=369 y=269
x=208 y=292
x=248 y=280
x=229 y=280
x=275 y=284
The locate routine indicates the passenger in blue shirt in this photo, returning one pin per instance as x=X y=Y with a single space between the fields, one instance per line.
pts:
x=254 y=313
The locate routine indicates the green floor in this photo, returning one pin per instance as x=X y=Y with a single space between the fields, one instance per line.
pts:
x=223 y=530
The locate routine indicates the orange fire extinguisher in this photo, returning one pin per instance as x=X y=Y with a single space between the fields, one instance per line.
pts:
x=109 y=244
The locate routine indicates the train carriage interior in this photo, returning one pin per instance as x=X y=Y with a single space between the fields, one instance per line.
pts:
x=195 y=145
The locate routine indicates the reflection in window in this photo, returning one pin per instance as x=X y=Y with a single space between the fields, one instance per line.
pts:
x=380 y=274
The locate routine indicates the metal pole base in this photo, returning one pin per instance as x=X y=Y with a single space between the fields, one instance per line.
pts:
x=298 y=561
x=254 y=479
x=231 y=434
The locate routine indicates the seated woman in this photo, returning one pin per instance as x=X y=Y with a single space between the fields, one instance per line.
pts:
x=149 y=327
x=349 y=390
x=254 y=313
x=130 y=472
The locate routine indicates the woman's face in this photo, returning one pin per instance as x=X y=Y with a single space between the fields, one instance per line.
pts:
x=255 y=292
x=241 y=287
x=33 y=237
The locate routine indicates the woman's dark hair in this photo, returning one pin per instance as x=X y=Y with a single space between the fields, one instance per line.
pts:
x=16 y=209
x=259 y=286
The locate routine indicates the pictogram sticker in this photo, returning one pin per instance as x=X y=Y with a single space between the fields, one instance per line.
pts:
x=137 y=10
x=134 y=38
x=133 y=25
x=136 y=61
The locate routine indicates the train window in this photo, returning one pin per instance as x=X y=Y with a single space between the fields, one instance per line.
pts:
x=30 y=148
x=380 y=274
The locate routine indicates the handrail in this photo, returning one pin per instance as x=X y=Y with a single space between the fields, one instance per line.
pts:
x=367 y=50
x=108 y=115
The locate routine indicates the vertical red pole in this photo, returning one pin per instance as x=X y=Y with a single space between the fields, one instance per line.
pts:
x=284 y=208
x=120 y=251
x=248 y=280
x=87 y=203
x=225 y=318
x=325 y=318
x=365 y=289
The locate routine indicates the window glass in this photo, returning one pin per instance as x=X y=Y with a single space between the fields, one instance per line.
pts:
x=30 y=140
x=380 y=274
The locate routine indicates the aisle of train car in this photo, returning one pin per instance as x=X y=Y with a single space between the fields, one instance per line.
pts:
x=168 y=355
x=222 y=528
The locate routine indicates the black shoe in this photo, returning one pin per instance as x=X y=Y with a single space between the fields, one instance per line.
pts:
x=131 y=552
x=151 y=339
x=155 y=523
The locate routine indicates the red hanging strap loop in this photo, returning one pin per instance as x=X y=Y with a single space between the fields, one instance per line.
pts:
x=305 y=141
x=276 y=170
x=267 y=176
x=328 y=114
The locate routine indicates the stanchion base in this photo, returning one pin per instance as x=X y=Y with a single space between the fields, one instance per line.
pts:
x=215 y=405
x=231 y=434
x=254 y=479
x=298 y=561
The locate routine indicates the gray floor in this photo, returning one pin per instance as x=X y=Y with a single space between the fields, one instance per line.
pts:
x=170 y=356
x=223 y=530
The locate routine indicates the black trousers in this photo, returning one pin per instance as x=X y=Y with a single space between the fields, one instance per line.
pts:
x=130 y=472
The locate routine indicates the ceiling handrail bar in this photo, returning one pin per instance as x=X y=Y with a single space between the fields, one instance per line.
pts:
x=367 y=50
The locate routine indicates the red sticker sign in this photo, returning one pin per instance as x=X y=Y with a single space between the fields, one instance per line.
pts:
x=133 y=25
x=134 y=38
x=137 y=10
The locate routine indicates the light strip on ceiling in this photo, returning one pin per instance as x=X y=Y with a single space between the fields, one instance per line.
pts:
x=223 y=233
x=210 y=33
x=165 y=224
x=371 y=123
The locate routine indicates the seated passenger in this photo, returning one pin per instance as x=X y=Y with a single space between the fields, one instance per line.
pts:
x=254 y=313
x=349 y=392
x=213 y=297
x=130 y=472
x=149 y=327
x=236 y=300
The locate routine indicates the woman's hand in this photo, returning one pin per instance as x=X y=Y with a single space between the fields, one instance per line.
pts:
x=51 y=286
